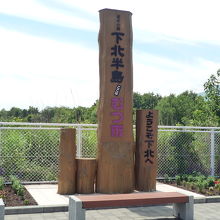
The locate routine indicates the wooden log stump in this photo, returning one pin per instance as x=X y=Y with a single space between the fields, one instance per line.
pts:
x=86 y=174
x=115 y=172
x=146 y=150
x=67 y=162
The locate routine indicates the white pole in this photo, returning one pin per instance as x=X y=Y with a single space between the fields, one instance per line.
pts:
x=212 y=152
x=79 y=144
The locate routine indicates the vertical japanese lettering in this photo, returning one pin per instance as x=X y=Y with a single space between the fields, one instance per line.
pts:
x=117 y=65
x=117 y=126
x=149 y=153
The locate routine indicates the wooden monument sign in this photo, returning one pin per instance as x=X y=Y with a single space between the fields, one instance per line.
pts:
x=115 y=172
x=115 y=164
x=146 y=150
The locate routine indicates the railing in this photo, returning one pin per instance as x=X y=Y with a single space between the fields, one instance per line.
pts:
x=30 y=150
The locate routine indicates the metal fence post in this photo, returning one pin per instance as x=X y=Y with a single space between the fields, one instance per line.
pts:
x=1 y=148
x=212 y=152
x=79 y=145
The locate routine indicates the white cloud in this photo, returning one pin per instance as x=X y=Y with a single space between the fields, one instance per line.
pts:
x=165 y=76
x=46 y=72
x=32 y=9
x=42 y=72
x=188 y=21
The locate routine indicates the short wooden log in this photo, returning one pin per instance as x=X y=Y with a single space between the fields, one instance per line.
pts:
x=86 y=174
x=146 y=150
x=67 y=162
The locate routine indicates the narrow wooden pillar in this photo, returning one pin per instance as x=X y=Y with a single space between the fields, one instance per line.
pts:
x=67 y=162
x=86 y=174
x=146 y=150
x=115 y=172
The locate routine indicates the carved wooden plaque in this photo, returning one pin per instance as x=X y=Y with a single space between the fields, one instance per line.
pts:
x=146 y=150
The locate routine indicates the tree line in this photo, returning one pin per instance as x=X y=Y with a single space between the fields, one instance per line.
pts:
x=187 y=108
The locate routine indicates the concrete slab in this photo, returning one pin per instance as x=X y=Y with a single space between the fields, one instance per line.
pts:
x=46 y=194
x=167 y=188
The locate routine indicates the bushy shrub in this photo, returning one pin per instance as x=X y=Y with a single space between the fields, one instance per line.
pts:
x=210 y=181
x=26 y=202
x=17 y=186
x=178 y=179
x=13 y=151
x=2 y=182
x=26 y=153
x=183 y=152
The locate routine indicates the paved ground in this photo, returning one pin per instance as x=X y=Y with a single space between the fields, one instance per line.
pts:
x=46 y=194
x=204 y=211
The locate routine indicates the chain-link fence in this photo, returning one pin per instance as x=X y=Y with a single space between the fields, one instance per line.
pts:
x=30 y=151
x=187 y=150
x=30 y=154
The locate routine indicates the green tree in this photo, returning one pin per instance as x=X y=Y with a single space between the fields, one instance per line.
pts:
x=91 y=113
x=62 y=115
x=186 y=104
x=15 y=112
x=47 y=114
x=202 y=115
x=3 y=115
x=24 y=113
x=212 y=91
x=145 y=101
x=33 y=110
x=167 y=110
x=137 y=100
x=79 y=114
x=180 y=109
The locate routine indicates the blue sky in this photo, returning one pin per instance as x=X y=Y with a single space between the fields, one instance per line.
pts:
x=49 y=49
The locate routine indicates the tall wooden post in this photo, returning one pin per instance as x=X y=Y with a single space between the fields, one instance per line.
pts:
x=146 y=150
x=115 y=172
x=67 y=162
